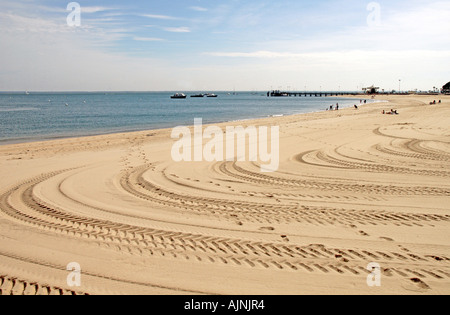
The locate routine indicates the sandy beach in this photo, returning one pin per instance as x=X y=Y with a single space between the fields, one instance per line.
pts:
x=353 y=187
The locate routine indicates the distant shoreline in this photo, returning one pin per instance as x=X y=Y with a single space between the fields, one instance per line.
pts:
x=47 y=138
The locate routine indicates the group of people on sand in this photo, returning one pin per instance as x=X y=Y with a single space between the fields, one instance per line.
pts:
x=392 y=112
x=334 y=108
x=434 y=102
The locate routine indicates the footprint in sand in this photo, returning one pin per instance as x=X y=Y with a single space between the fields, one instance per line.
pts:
x=404 y=249
x=267 y=228
x=416 y=284
x=437 y=258
x=341 y=258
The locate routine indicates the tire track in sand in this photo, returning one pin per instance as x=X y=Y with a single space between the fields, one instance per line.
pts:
x=196 y=247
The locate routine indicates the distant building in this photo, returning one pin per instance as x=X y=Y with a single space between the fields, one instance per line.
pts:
x=446 y=88
x=371 y=90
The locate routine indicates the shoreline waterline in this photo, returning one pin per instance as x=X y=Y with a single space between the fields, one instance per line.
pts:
x=74 y=134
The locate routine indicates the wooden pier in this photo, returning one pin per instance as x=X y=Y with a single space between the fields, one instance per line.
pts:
x=304 y=94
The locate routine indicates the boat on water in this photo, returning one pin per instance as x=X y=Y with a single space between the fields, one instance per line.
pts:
x=211 y=95
x=278 y=93
x=198 y=95
x=178 y=96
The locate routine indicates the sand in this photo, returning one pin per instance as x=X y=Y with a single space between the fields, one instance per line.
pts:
x=354 y=187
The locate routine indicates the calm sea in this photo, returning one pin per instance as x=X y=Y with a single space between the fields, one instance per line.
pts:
x=44 y=116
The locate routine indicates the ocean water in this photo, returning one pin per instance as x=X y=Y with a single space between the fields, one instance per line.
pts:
x=45 y=116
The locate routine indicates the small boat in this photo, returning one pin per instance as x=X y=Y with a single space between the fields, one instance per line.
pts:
x=278 y=93
x=211 y=95
x=178 y=95
x=198 y=95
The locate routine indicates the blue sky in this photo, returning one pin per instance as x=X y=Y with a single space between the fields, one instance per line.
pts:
x=224 y=45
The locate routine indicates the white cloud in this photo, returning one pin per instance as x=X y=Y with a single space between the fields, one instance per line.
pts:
x=182 y=29
x=199 y=9
x=57 y=62
x=148 y=39
x=422 y=27
x=420 y=69
x=340 y=59
x=256 y=54
x=40 y=52
x=159 y=17
x=11 y=23
x=94 y=9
